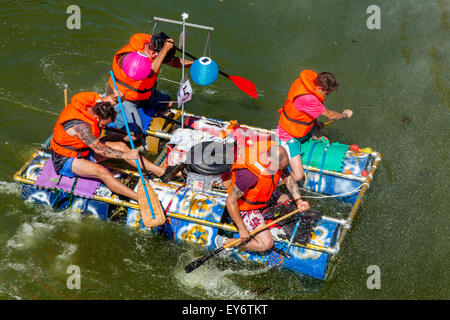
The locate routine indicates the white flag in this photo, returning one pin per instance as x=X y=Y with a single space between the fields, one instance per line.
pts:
x=184 y=93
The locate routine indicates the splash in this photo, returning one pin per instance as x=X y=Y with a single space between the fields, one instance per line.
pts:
x=9 y=188
x=52 y=69
x=215 y=282
x=22 y=238
x=68 y=250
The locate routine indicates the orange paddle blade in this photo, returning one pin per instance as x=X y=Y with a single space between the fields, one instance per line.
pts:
x=160 y=218
x=245 y=85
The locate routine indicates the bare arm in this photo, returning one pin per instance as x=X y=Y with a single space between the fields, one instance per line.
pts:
x=235 y=213
x=333 y=115
x=83 y=131
x=177 y=62
x=292 y=186
x=156 y=64
x=112 y=98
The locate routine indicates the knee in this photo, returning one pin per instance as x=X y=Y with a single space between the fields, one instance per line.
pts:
x=283 y=198
x=267 y=244
x=102 y=173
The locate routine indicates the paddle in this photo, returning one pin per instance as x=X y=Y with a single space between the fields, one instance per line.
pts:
x=245 y=85
x=144 y=205
x=65 y=97
x=160 y=115
x=197 y=263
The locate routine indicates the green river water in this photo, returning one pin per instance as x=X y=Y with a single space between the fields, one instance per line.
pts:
x=395 y=79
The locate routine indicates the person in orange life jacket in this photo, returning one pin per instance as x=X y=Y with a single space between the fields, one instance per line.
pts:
x=143 y=94
x=76 y=146
x=303 y=106
x=252 y=189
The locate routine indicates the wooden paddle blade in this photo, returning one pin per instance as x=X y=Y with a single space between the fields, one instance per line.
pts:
x=245 y=85
x=146 y=214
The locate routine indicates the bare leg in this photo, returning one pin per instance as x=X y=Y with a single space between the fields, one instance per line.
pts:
x=296 y=166
x=147 y=164
x=86 y=168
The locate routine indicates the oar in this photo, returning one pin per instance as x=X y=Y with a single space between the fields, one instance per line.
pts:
x=144 y=205
x=160 y=115
x=197 y=263
x=245 y=85
x=118 y=131
x=65 y=97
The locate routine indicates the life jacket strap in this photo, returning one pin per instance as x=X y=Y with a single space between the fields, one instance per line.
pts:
x=79 y=151
x=297 y=121
x=253 y=203
x=134 y=89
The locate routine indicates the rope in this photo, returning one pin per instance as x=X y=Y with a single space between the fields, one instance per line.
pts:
x=333 y=196
x=173 y=81
x=65 y=194
x=154 y=27
x=207 y=46
x=57 y=192
x=71 y=191
x=173 y=197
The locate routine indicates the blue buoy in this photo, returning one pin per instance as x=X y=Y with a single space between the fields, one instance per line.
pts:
x=204 y=71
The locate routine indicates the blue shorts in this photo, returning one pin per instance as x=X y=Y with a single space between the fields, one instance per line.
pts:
x=66 y=169
x=157 y=101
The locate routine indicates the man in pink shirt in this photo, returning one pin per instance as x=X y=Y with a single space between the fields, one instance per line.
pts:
x=298 y=116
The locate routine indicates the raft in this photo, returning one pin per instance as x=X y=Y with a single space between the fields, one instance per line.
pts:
x=197 y=216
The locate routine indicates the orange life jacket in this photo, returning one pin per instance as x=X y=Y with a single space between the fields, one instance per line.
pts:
x=298 y=123
x=133 y=90
x=65 y=144
x=259 y=195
